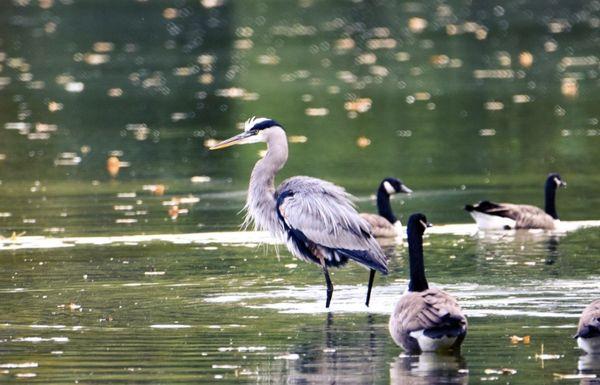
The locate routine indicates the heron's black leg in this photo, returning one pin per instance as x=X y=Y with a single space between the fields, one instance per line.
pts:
x=328 y=280
x=371 y=278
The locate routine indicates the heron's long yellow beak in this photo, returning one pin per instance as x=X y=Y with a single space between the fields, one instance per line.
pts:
x=233 y=140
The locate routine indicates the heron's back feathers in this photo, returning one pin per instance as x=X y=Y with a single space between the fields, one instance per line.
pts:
x=320 y=215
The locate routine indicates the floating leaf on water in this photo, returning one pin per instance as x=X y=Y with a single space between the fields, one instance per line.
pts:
x=173 y=212
x=114 y=92
x=316 y=111
x=344 y=44
x=243 y=44
x=569 y=87
x=494 y=105
x=200 y=179
x=526 y=59
x=360 y=105
x=503 y=371
x=363 y=142
x=74 y=87
x=94 y=59
x=514 y=339
x=521 y=99
x=487 y=132
x=494 y=74
x=103 y=46
x=297 y=139
x=268 y=59
x=381 y=43
x=113 y=164
x=417 y=24
x=155 y=189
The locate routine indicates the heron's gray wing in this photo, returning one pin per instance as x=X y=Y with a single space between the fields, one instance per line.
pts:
x=380 y=227
x=324 y=215
x=589 y=322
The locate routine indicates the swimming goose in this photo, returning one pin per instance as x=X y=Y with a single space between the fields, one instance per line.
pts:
x=588 y=331
x=506 y=216
x=425 y=319
x=386 y=225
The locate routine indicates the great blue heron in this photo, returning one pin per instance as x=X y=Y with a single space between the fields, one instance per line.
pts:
x=506 y=216
x=386 y=225
x=425 y=319
x=314 y=218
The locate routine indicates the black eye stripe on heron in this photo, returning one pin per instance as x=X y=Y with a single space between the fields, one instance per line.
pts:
x=265 y=124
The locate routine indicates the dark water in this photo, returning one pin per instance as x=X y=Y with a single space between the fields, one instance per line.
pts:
x=462 y=100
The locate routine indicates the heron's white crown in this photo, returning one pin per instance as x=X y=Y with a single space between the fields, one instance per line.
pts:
x=250 y=123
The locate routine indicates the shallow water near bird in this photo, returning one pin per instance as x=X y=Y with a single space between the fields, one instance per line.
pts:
x=121 y=255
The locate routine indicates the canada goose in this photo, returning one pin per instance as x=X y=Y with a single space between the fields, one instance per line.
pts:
x=506 y=216
x=386 y=225
x=425 y=319
x=588 y=331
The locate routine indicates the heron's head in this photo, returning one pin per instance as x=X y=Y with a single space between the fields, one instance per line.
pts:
x=554 y=181
x=417 y=223
x=255 y=130
x=394 y=186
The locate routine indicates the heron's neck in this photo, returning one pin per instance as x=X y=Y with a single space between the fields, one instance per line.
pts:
x=261 y=192
x=418 y=282
x=550 y=199
x=383 y=205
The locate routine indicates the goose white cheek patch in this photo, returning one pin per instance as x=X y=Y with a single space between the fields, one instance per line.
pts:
x=389 y=188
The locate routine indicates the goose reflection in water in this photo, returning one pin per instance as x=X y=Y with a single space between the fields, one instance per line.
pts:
x=589 y=364
x=429 y=368
x=519 y=246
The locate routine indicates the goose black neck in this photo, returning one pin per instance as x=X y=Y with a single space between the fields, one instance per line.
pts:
x=550 y=198
x=418 y=282
x=383 y=205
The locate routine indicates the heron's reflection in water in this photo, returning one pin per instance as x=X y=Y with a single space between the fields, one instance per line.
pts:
x=343 y=357
x=429 y=368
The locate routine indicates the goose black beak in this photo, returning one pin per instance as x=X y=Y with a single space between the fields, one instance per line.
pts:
x=405 y=189
x=426 y=224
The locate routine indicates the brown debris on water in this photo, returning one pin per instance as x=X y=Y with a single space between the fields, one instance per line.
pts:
x=113 y=164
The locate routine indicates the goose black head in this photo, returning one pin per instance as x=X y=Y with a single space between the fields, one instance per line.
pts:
x=555 y=181
x=394 y=186
x=255 y=130
x=417 y=223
